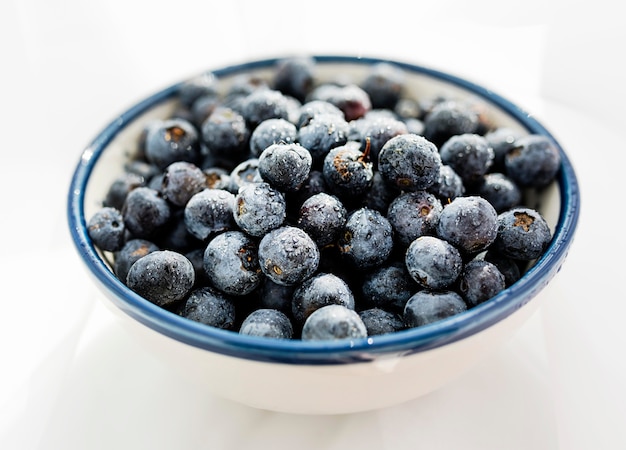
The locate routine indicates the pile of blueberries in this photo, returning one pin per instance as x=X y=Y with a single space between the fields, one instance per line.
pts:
x=287 y=207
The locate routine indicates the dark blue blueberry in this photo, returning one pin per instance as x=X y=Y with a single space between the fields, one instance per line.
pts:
x=132 y=250
x=351 y=99
x=263 y=104
x=203 y=84
x=209 y=212
x=202 y=109
x=409 y=162
x=119 y=189
x=469 y=223
x=225 y=133
x=448 y=118
x=288 y=255
x=479 y=281
x=348 y=171
x=311 y=109
x=367 y=239
x=163 y=277
x=378 y=129
x=295 y=76
x=378 y=321
x=272 y=131
x=142 y=168
x=413 y=214
x=433 y=263
x=431 y=306
x=175 y=235
x=523 y=234
x=500 y=191
x=380 y=194
x=172 y=140
x=322 y=216
x=448 y=186
x=106 y=229
x=231 y=263
x=269 y=323
x=181 y=180
x=285 y=166
x=507 y=266
x=388 y=287
x=318 y=291
x=259 y=208
x=245 y=172
x=145 y=212
x=384 y=83
x=533 y=162
x=275 y=296
x=323 y=133
x=333 y=322
x=501 y=140
x=217 y=178
x=469 y=155
x=210 y=307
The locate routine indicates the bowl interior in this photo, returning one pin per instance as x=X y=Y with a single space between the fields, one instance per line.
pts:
x=103 y=160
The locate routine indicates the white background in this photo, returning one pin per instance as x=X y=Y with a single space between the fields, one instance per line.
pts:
x=72 y=379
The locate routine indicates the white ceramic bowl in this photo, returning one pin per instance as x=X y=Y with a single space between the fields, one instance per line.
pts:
x=320 y=377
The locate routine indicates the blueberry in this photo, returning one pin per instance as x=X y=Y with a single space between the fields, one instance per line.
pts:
x=316 y=107
x=347 y=171
x=501 y=140
x=469 y=223
x=448 y=118
x=132 y=250
x=119 y=189
x=275 y=296
x=217 y=178
x=479 y=281
x=507 y=266
x=318 y=291
x=209 y=212
x=469 y=155
x=448 y=186
x=265 y=103
x=269 y=323
x=378 y=321
x=225 y=132
x=380 y=194
x=295 y=76
x=533 y=162
x=409 y=162
x=350 y=98
x=231 y=263
x=413 y=214
x=210 y=307
x=175 y=235
x=333 y=322
x=204 y=84
x=272 y=131
x=145 y=212
x=522 y=234
x=142 y=168
x=245 y=172
x=378 y=130
x=384 y=83
x=388 y=287
x=106 y=229
x=285 y=166
x=322 y=216
x=502 y=192
x=323 y=133
x=181 y=180
x=172 y=140
x=427 y=307
x=367 y=238
x=163 y=277
x=259 y=208
x=433 y=263
x=202 y=108
x=288 y=255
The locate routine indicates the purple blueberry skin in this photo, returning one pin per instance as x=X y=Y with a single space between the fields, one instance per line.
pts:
x=500 y=191
x=288 y=255
x=409 y=162
x=106 y=229
x=448 y=118
x=225 y=132
x=209 y=212
x=351 y=99
x=269 y=323
x=181 y=180
x=479 y=281
x=469 y=223
x=378 y=321
x=132 y=250
x=163 y=277
x=322 y=216
x=469 y=155
x=145 y=212
x=311 y=109
x=384 y=84
x=367 y=239
x=333 y=322
x=170 y=141
x=318 y=291
x=210 y=307
x=533 y=162
x=431 y=306
x=322 y=133
x=231 y=263
x=347 y=172
x=295 y=76
x=523 y=234
x=413 y=214
x=285 y=166
x=448 y=186
x=388 y=287
x=259 y=208
x=271 y=131
x=433 y=263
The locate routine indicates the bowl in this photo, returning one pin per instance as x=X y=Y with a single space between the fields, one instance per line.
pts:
x=320 y=377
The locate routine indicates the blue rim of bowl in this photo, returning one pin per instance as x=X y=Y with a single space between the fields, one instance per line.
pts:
x=403 y=342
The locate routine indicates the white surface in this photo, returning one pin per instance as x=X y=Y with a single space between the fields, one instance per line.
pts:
x=72 y=379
